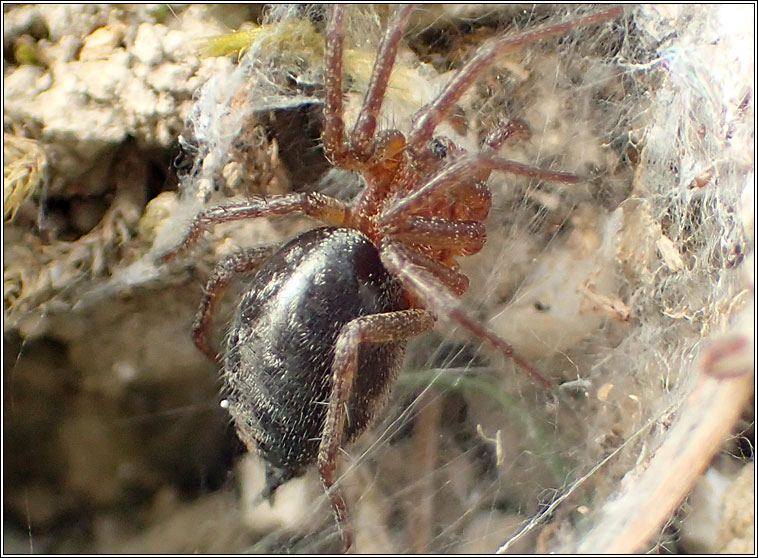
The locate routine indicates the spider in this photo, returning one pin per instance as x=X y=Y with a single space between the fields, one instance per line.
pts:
x=320 y=334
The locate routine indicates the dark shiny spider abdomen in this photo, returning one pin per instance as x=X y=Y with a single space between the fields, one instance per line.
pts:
x=278 y=371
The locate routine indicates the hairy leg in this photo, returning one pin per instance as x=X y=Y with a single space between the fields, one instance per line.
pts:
x=222 y=276
x=362 y=136
x=431 y=115
x=424 y=287
x=461 y=169
x=375 y=328
x=461 y=238
x=321 y=207
x=334 y=125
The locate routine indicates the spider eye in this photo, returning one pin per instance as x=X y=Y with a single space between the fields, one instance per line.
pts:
x=439 y=148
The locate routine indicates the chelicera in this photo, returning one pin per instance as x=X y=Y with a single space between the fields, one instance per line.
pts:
x=320 y=334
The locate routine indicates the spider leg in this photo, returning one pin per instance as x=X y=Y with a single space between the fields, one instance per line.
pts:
x=363 y=146
x=422 y=284
x=321 y=207
x=429 y=117
x=447 y=275
x=470 y=199
x=334 y=125
x=375 y=328
x=459 y=170
x=461 y=238
x=220 y=279
x=514 y=128
x=362 y=135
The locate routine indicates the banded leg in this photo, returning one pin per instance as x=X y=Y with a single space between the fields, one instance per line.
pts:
x=324 y=208
x=375 y=328
x=222 y=276
x=425 y=287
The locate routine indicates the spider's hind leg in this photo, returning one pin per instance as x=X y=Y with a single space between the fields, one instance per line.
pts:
x=222 y=276
x=374 y=328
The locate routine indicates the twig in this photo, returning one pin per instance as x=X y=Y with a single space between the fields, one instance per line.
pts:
x=707 y=418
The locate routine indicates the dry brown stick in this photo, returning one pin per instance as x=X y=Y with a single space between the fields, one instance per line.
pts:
x=707 y=418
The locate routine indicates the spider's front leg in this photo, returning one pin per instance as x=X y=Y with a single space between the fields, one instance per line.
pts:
x=364 y=148
x=375 y=328
x=431 y=115
x=459 y=171
x=324 y=208
x=334 y=125
x=460 y=238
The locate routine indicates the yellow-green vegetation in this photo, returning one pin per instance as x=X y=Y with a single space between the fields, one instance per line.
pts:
x=297 y=38
x=298 y=42
x=25 y=51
